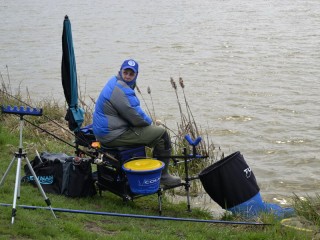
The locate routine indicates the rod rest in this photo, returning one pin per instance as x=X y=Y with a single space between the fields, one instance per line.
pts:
x=193 y=142
x=21 y=110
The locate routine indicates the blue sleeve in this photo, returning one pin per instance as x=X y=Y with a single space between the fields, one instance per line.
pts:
x=128 y=106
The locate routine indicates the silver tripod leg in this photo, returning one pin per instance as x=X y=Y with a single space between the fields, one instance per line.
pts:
x=47 y=200
x=16 y=187
x=7 y=171
x=16 y=190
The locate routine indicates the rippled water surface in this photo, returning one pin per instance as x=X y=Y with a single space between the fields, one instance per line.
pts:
x=251 y=69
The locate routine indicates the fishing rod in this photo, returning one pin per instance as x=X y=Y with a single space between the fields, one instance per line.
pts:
x=138 y=216
x=59 y=125
x=74 y=135
x=83 y=139
x=58 y=138
x=138 y=89
x=19 y=100
x=76 y=147
x=46 y=131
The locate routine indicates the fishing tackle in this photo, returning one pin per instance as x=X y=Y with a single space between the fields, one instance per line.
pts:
x=139 y=216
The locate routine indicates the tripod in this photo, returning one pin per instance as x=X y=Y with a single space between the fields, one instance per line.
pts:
x=19 y=156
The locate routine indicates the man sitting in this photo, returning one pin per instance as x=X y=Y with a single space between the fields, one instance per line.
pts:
x=118 y=119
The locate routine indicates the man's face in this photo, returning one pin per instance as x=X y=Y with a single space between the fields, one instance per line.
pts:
x=128 y=74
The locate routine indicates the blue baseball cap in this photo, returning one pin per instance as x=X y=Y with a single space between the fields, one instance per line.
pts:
x=131 y=64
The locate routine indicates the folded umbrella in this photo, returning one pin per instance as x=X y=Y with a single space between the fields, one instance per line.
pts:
x=75 y=114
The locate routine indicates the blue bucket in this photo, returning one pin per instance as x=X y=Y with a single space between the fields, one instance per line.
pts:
x=143 y=175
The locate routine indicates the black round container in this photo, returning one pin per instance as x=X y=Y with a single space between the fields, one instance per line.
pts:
x=230 y=181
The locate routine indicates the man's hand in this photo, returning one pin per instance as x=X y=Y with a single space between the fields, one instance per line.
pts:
x=158 y=122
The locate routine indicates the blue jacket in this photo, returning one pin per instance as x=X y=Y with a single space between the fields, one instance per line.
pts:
x=116 y=110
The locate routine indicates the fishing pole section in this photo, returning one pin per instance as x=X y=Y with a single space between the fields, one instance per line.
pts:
x=126 y=215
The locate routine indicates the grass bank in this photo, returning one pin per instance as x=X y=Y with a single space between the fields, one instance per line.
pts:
x=40 y=224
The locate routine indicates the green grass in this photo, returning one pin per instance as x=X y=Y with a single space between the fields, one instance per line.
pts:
x=40 y=224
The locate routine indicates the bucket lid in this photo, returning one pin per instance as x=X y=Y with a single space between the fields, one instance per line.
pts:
x=143 y=164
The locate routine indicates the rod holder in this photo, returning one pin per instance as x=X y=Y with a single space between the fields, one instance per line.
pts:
x=193 y=142
x=21 y=110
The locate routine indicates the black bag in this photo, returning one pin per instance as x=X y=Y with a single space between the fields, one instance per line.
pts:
x=78 y=181
x=230 y=181
x=62 y=174
x=49 y=175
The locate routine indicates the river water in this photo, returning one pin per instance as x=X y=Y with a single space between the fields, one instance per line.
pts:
x=250 y=69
